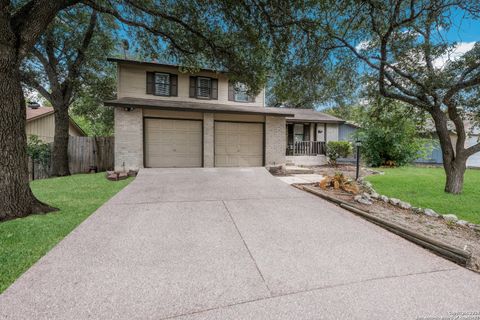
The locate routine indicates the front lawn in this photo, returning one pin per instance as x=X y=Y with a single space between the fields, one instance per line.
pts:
x=423 y=187
x=24 y=241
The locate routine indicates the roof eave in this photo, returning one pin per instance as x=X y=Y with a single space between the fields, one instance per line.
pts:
x=315 y=120
x=113 y=103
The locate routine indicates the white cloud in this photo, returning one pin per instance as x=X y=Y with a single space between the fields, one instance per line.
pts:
x=459 y=50
x=362 y=45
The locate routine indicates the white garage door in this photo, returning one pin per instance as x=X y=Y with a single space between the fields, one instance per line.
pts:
x=173 y=143
x=238 y=144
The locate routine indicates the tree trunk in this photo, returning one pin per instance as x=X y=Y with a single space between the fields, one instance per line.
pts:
x=455 y=171
x=60 y=142
x=16 y=197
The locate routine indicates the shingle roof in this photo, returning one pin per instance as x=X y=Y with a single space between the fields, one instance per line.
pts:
x=197 y=106
x=38 y=113
x=311 y=115
x=33 y=114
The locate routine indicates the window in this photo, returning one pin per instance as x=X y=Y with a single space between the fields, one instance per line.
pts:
x=240 y=92
x=162 y=84
x=204 y=86
x=298 y=132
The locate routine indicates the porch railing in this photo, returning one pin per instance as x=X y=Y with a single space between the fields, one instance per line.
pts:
x=306 y=148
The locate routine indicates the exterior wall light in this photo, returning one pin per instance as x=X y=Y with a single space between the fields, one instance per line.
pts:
x=358 y=144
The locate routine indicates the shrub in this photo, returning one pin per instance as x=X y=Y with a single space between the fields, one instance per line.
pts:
x=389 y=135
x=338 y=149
x=38 y=150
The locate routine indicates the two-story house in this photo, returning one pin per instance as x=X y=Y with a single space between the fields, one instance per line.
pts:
x=167 y=118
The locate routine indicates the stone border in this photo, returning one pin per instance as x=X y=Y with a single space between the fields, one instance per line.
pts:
x=366 y=198
x=452 y=253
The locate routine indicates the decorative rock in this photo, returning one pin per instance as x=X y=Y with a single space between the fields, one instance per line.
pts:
x=366 y=195
x=367 y=184
x=384 y=198
x=475 y=227
x=394 y=201
x=430 y=213
x=417 y=210
x=462 y=222
x=374 y=195
x=365 y=201
x=405 y=205
x=450 y=217
x=362 y=199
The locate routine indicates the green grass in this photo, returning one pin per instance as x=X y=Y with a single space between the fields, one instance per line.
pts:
x=24 y=241
x=423 y=187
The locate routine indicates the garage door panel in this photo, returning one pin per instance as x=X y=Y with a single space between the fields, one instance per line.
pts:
x=173 y=143
x=238 y=144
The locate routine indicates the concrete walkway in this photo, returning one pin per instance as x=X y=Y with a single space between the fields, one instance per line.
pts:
x=234 y=244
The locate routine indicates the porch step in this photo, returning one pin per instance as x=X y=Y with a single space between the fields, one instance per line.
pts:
x=298 y=170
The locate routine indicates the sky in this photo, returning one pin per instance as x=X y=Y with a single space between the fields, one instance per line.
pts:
x=465 y=32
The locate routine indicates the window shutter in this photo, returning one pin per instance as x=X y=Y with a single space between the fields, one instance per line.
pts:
x=173 y=85
x=150 y=82
x=214 y=94
x=231 y=91
x=193 y=85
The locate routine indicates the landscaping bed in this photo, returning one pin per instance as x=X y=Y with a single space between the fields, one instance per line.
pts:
x=450 y=233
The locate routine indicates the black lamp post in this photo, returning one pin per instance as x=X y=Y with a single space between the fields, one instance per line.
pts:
x=358 y=144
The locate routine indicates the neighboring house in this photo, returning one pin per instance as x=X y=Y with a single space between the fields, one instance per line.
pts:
x=41 y=122
x=434 y=155
x=167 y=118
x=346 y=131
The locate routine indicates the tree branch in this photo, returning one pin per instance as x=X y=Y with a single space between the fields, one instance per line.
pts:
x=30 y=81
x=473 y=149
x=74 y=65
x=32 y=19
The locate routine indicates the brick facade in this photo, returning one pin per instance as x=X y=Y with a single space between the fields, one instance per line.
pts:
x=208 y=140
x=275 y=141
x=128 y=139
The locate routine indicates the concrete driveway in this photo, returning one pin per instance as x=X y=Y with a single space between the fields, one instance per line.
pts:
x=234 y=244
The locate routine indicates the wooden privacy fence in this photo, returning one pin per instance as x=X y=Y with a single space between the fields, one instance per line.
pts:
x=83 y=153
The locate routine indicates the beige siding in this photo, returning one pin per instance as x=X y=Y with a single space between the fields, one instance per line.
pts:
x=132 y=83
x=73 y=131
x=44 y=128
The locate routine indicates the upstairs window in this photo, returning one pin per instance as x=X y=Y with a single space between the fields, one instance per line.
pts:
x=162 y=84
x=203 y=88
x=239 y=92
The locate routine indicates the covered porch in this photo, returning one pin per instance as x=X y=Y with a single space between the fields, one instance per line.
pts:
x=305 y=143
